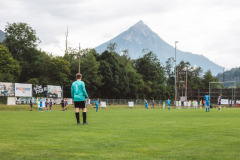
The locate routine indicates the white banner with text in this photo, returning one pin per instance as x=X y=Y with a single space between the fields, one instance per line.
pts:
x=23 y=90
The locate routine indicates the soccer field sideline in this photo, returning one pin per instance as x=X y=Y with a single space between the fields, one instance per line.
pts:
x=91 y=107
x=121 y=133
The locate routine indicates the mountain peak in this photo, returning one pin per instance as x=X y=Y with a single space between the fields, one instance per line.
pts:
x=140 y=26
x=139 y=30
x=139 y=23
x=140 y=37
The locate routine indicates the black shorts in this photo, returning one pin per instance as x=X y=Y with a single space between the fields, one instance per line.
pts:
x=79 y=104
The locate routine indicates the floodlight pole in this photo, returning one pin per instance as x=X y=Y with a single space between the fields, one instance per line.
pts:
x=186 y=85
x=175 y=72
x=209 y=94
x=79 y=58
x=223 y=74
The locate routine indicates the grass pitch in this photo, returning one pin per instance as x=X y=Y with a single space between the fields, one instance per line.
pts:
x=119 y=132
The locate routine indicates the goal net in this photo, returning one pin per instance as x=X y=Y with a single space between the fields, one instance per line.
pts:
x=226 y=89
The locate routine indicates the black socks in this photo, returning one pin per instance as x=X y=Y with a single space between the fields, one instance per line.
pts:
x=84 y=117
x=77 y=117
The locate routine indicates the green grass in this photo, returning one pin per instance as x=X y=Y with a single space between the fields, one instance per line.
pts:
x=119 y=132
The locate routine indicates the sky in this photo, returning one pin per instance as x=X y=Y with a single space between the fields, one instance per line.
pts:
x=206 y=27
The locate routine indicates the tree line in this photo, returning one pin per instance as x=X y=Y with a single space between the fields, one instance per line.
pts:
x=106 y=75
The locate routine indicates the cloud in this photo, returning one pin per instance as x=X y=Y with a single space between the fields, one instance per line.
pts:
x=208 y=27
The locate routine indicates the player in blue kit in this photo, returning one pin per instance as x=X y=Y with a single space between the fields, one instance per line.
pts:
x=168 y=103
x=207 y=103
x=96 y=103
x=146 y=103
x=41 y=104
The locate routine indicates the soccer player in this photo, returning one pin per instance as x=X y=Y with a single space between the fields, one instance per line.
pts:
x=79 y=94
x=163 y=104
x=146 y=103
x=193 y=103
x=96 y=103
x=189 y=104
x=207 y=104
x=66 y=103
x=50 y=104
x=168 y=103
x=31 y=104
x=219 y=102
x=196 y=103
x=179 y=104
x=41 y=105
x=153 y=103
x=237 y=104
x=231 y=104
x=200 y=104
x=62 y=104
x=46 y=104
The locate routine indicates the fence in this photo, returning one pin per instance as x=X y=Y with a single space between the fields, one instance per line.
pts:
x=193 y=94
x=3 y=100
x=198 y=94
x=125 y=101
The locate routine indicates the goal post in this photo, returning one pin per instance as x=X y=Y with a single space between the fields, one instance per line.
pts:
x=226 y=89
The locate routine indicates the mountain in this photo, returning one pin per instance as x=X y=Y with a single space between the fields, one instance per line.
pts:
x=230 y=75
x=140 y=37
x=2 y=36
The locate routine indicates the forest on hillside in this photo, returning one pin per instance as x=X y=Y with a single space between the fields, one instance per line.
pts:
x=106 y=75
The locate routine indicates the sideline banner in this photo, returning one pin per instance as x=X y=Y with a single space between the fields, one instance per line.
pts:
x=11 y=101
x=131 y=104
x=224 y=101
x=54 y=91
x=70 y=101
x=39 y=90
x=57 y=101
x=7 y=89
x=23 y=90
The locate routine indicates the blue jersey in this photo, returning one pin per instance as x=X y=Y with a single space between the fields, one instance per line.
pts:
x=96 y=103
x=40 y=102
x=207 y=97
x=168 y=102
x=146 y=103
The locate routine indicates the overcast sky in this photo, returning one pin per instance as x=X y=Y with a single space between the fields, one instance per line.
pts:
x=207 y=27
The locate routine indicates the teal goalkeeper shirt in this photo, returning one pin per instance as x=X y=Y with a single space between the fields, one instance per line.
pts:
x=78 y=91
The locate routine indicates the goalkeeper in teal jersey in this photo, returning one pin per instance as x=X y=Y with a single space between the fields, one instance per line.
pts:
x=79 y=94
